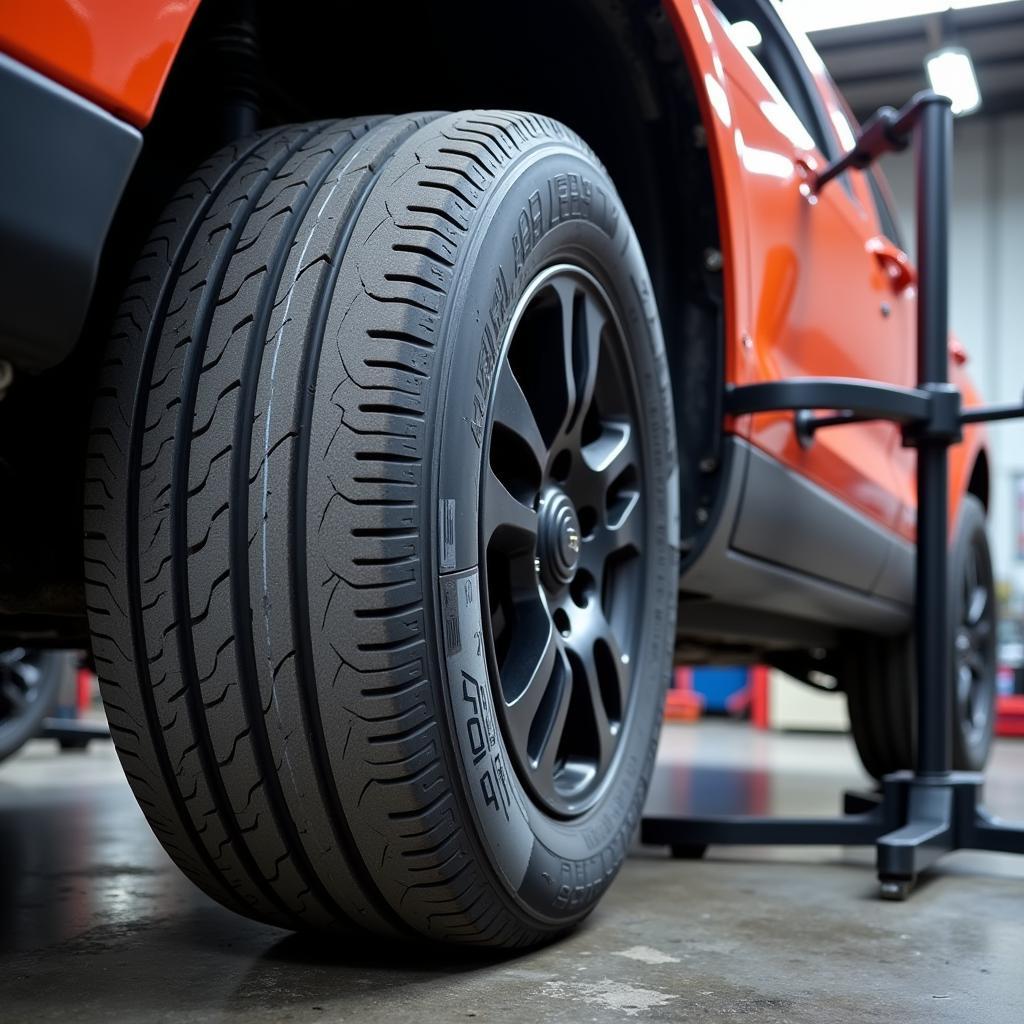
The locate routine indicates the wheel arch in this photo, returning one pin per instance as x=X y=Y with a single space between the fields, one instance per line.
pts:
x=979 y=481
x=628 y=78
x=636 y=97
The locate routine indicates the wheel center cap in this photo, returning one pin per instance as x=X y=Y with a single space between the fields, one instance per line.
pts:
x=559 y=539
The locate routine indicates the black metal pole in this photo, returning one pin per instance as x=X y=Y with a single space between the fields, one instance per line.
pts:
x=924 y=814
x=934 y=150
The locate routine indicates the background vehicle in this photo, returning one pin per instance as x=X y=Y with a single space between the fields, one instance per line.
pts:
x=30 y=682
x=368 y=371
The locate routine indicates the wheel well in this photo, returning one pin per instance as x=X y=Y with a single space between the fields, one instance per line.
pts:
x=978 y=484
x=611 y=70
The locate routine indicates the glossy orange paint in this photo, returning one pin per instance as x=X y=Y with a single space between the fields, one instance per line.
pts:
x=812 y=286
x=113 y=52
x=806 y=277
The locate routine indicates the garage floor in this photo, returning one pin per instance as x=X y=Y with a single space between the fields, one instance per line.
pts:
x=96 y=924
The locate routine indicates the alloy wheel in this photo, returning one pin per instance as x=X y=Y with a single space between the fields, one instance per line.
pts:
x=20 y=676
x=975 y=645
x=563 y=532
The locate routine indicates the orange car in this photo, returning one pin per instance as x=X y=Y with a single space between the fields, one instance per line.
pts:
x=400 y=438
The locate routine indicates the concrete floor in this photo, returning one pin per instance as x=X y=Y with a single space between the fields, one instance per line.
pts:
x=97 y=925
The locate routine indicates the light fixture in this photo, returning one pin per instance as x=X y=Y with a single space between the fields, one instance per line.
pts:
x=815 y=16
x=745 y=33
x=951 y=73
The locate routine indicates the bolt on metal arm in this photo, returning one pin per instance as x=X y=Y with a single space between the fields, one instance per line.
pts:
x=887 y=131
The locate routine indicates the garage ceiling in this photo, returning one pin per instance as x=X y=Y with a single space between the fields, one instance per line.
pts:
x=884 y=62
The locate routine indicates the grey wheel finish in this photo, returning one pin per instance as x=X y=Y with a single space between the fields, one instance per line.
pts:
x=562 y=522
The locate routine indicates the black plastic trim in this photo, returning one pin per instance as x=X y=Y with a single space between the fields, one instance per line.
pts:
x=65 y=166
x=723 y=575
x=718 y=626
x=791 y=522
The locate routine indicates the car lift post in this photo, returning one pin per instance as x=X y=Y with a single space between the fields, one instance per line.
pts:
x=919 y=815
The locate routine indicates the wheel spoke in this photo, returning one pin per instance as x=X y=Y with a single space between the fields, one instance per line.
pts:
x=973 y=704
x=15 y=697
x=607 y=682
x=605 y=735
x=964 y=683
x=589 y=322
x=980 y=633
x=594 y=553
x=977 y=605
x=512 y=410
x=530 y=674
x=980 y=705
x=582 y=323
x=506 y=514
x=27 y=672
x=974 y=659
x=623 y=533
x=619 y=663
x=561 y=501
x=613 y=452
x=548 y=753
x=12 y=656
x=626 y=527
x=604 y=461
x=566 y=289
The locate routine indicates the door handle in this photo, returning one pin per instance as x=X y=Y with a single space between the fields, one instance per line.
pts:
x=957 y=352
x=894 y=261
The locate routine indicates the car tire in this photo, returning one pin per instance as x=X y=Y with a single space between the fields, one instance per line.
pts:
x=880 y=676
x=305 y=442
x=30 y=684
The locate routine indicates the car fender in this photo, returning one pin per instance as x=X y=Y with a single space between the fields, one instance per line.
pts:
x=116 y=54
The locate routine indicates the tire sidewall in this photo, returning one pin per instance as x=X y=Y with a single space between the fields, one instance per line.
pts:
x=554 y=204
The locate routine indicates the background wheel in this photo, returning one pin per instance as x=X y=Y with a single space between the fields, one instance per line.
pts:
x=879 y=677
x=974 y=631
x=30 y=683
x=381 y=528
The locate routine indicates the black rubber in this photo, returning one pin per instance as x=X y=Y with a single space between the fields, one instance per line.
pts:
x=290 y=383
x=880 y=679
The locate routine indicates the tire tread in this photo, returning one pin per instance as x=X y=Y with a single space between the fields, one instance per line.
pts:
x=293 y=766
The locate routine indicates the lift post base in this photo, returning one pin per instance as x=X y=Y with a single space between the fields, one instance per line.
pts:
x=912 y=822
x=73 y=733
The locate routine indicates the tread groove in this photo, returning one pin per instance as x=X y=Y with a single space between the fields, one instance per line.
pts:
x=242 y=613
x=299 y=589
x=138 y=418
x=179 y=540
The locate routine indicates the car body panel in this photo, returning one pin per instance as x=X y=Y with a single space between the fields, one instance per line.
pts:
x=804 y=289
x=804 y=284
x=114 y=53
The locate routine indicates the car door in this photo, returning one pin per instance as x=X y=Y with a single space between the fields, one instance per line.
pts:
x=830 y=294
